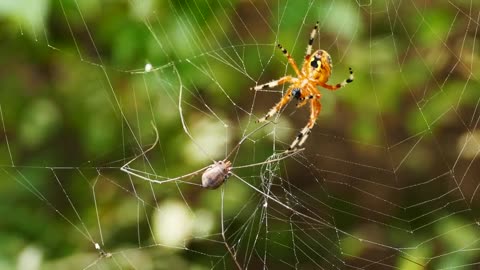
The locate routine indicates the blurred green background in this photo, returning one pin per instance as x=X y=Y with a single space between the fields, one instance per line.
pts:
x=391 y=166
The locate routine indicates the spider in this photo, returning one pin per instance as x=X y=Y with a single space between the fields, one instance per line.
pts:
x=316 y=71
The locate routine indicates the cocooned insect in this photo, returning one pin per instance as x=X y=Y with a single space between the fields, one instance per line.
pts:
x=216 y=174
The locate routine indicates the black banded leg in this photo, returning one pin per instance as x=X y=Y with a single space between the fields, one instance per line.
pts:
x=305 y=99
x=285 y=99
x=315 y=108
x=289 y=58
x=270 y=113
x=349 y=79
x=304 y=137
x=285 y=79
x=300 y=139
x=310 y=41
x=342 y=84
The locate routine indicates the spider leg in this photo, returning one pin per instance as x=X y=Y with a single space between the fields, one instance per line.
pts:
x=339 y=85
x=290 y=59
x=282 y=80
x=315 y=108
x=285 y=99
x=310 y=41
x=303 y=100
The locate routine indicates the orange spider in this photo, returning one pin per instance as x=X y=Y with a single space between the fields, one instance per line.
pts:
x=316 y=71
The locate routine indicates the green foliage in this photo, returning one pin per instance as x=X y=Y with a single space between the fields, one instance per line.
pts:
x=75 y=95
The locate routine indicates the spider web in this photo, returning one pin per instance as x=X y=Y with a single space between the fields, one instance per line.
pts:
x=388 y=178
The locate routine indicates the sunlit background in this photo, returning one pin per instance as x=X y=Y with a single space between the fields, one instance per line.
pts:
x=388 y=178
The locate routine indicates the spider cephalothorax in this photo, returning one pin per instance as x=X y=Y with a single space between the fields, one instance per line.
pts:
x=316 y=71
